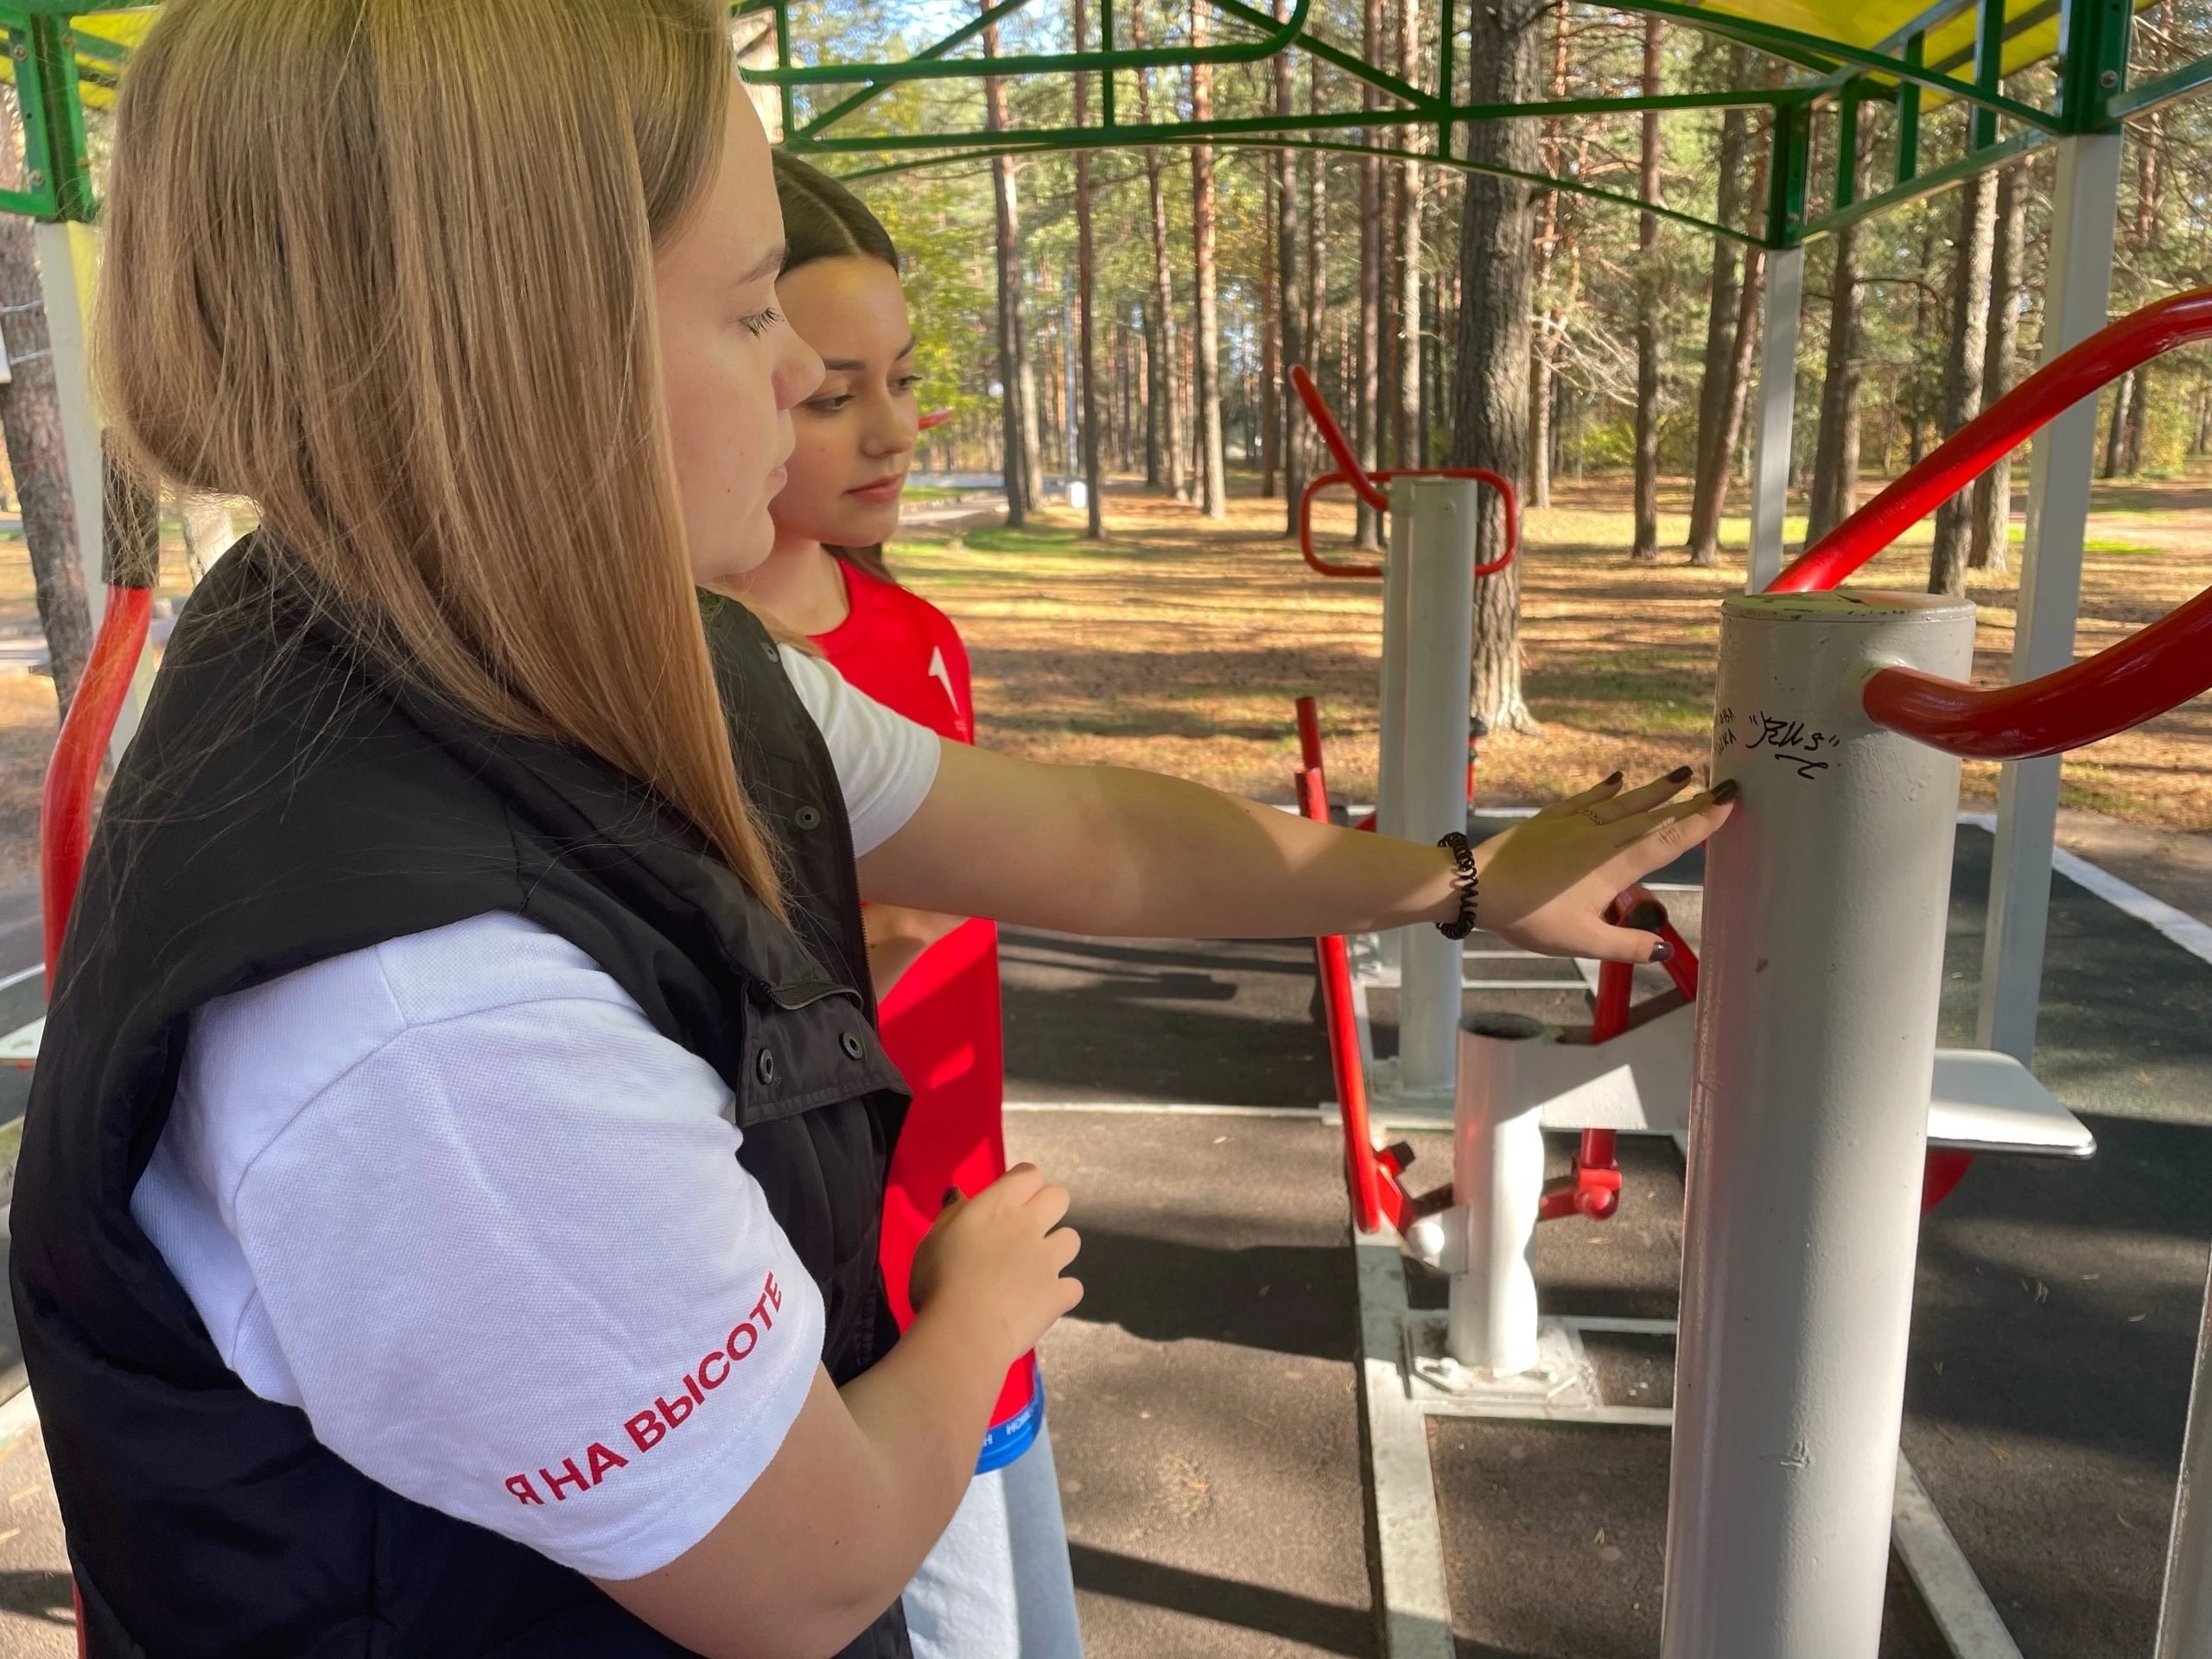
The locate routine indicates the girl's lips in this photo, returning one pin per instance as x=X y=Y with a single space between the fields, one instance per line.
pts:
x=886 y=489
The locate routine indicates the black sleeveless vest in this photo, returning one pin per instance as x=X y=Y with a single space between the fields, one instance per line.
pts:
x=286 y=802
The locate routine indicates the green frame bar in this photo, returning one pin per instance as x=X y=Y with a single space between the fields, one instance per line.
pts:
x=932 y=65
x=1847 y=142
x=1046 y=139
x=1786 y=174
x=43 y=49
x=2160 y=90
x=1189 y=133
x=1989 y=71
x=1927 y=184
x=1915 y=48
x=2093 y=39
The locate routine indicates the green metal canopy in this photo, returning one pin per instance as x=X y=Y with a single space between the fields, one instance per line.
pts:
x=1838 y=58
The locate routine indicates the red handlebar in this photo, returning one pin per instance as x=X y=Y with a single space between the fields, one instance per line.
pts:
x=1365 y=484
x=65 y=814
x=2141 y=678
x=2018 y=415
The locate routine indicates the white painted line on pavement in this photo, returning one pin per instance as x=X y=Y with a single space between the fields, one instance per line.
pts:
x=1161 y=1108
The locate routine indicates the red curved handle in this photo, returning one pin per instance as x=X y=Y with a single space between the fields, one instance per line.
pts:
x=1966 y=454
x=2141 y=678
x=1372 y=572
x=2138 y=680
x=1365 y=572
x=934 y=419
x=65 y=817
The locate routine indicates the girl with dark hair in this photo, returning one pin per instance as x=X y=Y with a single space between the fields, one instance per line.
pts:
x=997 y=1585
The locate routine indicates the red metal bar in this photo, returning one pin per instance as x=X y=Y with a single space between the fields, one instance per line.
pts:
x=1309 y=740
x=1616 y=981
x=2139 y=678
x=1373 y=572
x=2044 y=396
x=1367 y=486
x=1363 y=1178
x=64 y=830
x=2119 y=688
x=1333 y=436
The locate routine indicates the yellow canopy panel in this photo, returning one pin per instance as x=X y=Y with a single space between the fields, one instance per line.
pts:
x=2031 y=27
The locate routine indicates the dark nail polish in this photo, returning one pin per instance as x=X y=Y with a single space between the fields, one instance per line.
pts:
x=1681 y=775
x=1725 y=791
x=1662 y=951
x=1615 y=779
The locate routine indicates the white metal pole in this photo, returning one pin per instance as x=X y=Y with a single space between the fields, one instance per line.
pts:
x=1822 y=961
x=69 y=261
x=1777 y=412
x=65 y=278
x=2078 y=292
x=2185 y=1616
x=1497 y=1175
x=1397 y=576
x=1440 y=656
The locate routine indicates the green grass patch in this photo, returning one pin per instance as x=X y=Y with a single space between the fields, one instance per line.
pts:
x=999 y=538
x=2019 y=537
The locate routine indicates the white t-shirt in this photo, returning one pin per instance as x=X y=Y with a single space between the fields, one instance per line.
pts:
x=456 y=1199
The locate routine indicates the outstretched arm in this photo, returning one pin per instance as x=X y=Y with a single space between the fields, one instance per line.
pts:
x=1100 y=850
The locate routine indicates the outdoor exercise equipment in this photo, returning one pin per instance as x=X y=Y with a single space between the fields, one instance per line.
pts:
x=1426 y=746
x=1844 y=716
x=1847 y=58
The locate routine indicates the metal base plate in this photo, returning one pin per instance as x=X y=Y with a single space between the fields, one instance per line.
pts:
x=1561 y=1387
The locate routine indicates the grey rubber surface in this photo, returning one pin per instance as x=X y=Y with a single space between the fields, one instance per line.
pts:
x=1201 y=1399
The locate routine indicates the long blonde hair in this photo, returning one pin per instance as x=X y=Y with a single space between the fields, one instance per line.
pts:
x=385 y=267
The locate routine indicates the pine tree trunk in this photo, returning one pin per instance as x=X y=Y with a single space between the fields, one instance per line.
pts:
x=1548 y=320
x=1086 y=348
x=1491 y=388
x=1947 y=566
x=30 y=416
x=1018 y=440
x=1993 y=491
x=1169 y=432
x=1271 y=434
x=1317 y=258
x=1292 y=425
x=1155 y=399
x=1646 y=549
x=2116 y=428
x=1409 y=259
x=2138 y=416
x=1836 y=457
x=1735 y=396
x=1213 y=465
x=1540 y=415
x=1367 y=412
x=1708 y=479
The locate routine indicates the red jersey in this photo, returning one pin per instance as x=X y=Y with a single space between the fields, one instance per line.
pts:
x=941 y=1022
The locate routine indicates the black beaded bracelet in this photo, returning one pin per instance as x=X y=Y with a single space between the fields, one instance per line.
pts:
x=1465 y=882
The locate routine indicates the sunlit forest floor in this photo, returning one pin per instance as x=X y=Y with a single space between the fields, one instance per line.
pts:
x=1180 y=645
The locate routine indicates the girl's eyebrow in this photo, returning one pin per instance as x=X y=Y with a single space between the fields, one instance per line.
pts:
x=768 y=264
